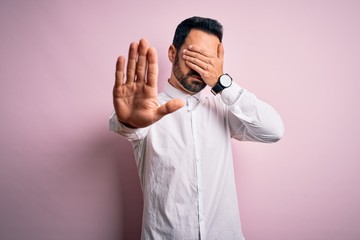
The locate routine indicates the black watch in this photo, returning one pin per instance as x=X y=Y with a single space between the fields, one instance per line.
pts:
x=224 y=81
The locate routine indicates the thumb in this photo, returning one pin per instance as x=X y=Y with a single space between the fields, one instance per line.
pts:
x=169 y=107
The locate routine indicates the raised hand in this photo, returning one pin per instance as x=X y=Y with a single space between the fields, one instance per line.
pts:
x=135 y=96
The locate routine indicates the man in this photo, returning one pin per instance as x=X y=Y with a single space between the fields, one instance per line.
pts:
x=182 y=137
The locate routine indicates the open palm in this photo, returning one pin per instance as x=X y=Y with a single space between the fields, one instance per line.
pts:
x=135 y=97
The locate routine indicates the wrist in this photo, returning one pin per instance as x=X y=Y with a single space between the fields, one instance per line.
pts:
x=127 y=125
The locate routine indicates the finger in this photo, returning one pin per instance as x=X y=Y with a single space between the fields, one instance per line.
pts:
x=169 y=107
x=131 y=66
x=153 y=68
x=141 y=61
x=220 y=51
x=119 y=73
x=197 y=61
x=194 y=55
x=199 y=50
x=195 y=67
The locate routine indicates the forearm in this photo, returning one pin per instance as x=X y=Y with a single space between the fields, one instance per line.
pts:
x=250 y=118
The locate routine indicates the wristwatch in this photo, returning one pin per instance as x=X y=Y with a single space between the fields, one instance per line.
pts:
x=223 y=82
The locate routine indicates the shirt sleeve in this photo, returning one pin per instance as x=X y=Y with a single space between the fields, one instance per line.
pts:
x=251 y=119
x=131 y=134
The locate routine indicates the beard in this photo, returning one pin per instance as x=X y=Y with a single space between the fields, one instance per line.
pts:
x=184 y=79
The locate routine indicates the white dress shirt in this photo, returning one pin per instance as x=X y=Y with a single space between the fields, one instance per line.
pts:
x=185 y=162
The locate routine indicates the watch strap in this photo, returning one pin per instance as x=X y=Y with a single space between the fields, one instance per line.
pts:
x=218 y=86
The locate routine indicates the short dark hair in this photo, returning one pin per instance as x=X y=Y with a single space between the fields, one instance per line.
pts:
x=208 y=25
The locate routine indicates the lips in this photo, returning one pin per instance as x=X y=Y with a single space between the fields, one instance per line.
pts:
x=197 y=77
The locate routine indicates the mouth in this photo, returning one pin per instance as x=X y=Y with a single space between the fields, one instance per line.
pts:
x=196 y=77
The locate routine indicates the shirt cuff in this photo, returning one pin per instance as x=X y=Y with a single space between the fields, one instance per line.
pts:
x=231 y=94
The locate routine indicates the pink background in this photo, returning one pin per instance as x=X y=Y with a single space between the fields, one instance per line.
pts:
x=63 y=175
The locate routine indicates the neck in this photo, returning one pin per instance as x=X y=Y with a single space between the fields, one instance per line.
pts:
x=175 y=83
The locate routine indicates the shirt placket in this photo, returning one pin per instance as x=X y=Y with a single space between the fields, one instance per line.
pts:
x=192 y=104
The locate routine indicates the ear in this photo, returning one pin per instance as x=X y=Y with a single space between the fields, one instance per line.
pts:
x=220 y=51
x=172 y=53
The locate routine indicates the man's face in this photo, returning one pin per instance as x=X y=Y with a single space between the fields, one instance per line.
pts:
x=190 y=80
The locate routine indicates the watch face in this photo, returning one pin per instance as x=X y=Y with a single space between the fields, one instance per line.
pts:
x=225 y=80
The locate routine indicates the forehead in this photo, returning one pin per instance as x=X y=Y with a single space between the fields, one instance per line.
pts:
x=202 y=39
